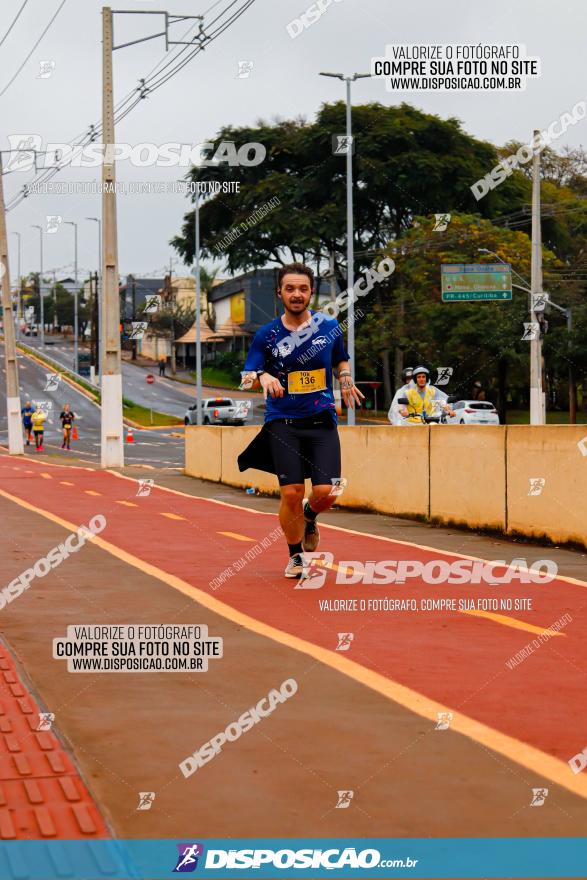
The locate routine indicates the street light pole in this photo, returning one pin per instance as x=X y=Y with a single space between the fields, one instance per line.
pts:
x=18 y=293
x=349 y=224
x=75 y=293
x=98 y=352
x=198 y=304
x=41 y=295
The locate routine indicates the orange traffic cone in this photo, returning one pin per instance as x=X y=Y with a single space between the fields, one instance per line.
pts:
x=130 y=437
x=74 y=435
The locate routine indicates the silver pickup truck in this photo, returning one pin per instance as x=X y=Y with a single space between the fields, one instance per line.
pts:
x=220 y=411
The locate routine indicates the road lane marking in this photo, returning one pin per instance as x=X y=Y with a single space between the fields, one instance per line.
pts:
x=91 y=492
x=172 y=515
x=66 y=483
x=532 y=759
x=237 y=536
x=128 y=503
x=514 y=623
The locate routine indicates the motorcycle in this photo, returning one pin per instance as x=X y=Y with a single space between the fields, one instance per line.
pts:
x=439 y=416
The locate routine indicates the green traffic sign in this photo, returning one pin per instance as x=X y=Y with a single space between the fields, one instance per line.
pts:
x=476 y=282
x=475 y=295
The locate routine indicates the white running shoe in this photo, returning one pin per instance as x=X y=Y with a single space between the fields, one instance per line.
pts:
x=296 y=566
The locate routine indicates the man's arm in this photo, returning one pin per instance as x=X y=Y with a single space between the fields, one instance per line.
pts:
x=350 y=392
x=254 y=364
x=255 y=375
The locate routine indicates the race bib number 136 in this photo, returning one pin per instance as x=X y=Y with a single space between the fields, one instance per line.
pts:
x=306 y=381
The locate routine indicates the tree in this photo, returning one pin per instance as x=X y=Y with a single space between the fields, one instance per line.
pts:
x=480 y=341
x=406 y=163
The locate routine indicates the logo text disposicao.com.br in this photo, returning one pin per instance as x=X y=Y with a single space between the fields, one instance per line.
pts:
x=328 y=859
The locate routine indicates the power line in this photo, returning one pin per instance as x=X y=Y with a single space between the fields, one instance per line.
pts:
x=96 y=130
x=17 y=16
x=7 y=86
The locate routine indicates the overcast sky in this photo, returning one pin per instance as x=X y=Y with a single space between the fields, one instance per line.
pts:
x=284 y=81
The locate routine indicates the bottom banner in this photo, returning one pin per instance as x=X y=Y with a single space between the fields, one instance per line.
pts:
x=270 y=858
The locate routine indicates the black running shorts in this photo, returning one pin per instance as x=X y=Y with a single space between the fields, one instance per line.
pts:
x=313 y=441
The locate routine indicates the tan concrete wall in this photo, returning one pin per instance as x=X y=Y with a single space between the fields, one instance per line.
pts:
x=468 y=475
x=549 y=452
x=386 y=468
x=479 y=477
x=203 y=457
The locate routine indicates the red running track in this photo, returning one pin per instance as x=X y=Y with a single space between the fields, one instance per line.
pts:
x=450 y=657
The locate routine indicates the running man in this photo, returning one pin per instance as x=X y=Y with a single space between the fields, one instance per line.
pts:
x=67 y=419
x=27 y=422
x=38 y=419
x=292 y=358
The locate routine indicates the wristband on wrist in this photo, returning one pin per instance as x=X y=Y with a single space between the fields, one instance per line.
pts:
x=345 y=373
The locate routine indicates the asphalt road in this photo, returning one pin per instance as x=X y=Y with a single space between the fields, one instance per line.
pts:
x=164 y=395
x=150 y=449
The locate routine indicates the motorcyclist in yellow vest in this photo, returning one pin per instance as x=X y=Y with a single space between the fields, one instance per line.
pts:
x=423 y=398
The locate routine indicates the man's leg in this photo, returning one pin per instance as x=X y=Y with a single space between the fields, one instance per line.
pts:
x=289 y=466
x=323 y=450
x=291 y=516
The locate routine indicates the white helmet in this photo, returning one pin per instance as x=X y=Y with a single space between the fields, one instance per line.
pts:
x=421 y=369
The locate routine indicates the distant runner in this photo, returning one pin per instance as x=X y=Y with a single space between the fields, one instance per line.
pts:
x=292 y=358
x=67 y=419
x=38 y=418
x=27 y=422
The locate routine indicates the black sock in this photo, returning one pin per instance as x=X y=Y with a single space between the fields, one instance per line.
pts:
x=295 y=548
x=309 y=513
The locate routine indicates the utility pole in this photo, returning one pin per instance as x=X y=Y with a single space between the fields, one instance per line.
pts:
x=15 y=444
x=572 y=391
x=99 y=334
x=112 y=440
x=41 y=294
x=134 y=316
x=75 y=308
x=537 y=414
x=95 y=324
x=54 y=299
x=18 y=294
x=198 y=303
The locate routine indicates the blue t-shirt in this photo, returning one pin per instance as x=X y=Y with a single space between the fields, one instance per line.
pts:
x=309 y=354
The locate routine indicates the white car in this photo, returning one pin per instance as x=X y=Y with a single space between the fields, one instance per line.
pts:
x=220 y=411
x=473 y=412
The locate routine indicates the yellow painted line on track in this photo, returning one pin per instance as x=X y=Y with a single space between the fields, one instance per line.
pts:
x=66 y=483
x=172 y=515
x=46 y=476
x=128 y=503
x=91 y=492
x=515 y=624
x=527 y=756
x=501 y=619
x=237 y=536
